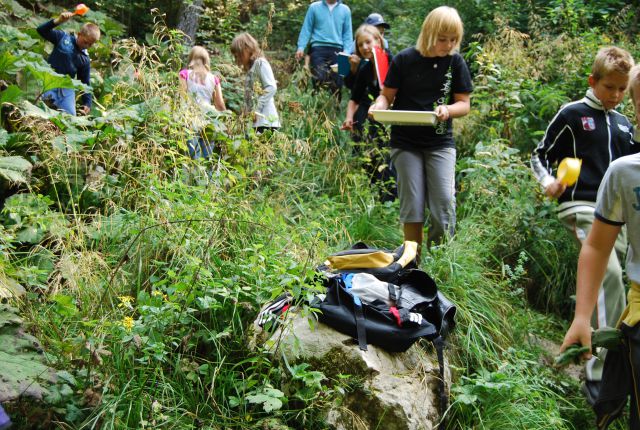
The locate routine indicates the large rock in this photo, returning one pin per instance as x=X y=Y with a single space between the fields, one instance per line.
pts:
x=399 y=391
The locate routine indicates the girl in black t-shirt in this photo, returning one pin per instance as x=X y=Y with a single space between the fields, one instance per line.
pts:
x=428 y=77
x=365 y=89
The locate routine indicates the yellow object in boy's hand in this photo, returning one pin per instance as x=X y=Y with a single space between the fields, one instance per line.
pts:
x=569 y=170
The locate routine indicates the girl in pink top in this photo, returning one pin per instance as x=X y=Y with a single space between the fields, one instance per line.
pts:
x=198 y=82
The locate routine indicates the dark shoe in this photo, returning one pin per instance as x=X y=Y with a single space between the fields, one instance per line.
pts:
x=591 y=390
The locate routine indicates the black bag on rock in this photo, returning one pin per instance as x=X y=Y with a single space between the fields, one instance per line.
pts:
x=412 y=307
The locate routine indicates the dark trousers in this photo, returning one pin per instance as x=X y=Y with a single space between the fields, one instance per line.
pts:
x=374 y=151
x=322 y=57
x=620 y=381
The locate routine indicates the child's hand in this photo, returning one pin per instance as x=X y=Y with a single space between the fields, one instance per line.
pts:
x=354 y=61
x=347 y=124
x=555 y=189
x=299 y=55
x=579 y=333
x=64 y=17
x=84 y=110
x=442 y=112
x=377 y=105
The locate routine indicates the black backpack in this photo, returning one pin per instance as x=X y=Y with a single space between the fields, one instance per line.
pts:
x=418 y=309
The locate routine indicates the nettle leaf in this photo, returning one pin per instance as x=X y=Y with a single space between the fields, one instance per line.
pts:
x=14 y=169
x=10 y=94
x=30 y=234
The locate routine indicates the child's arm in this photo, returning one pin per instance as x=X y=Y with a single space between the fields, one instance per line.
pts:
x=352 y=107
x=592 y=264
x=460 y=107
x=305 y=33
x=269 y=85
x=553 y=146
x=218 y=100
x=354 y=62
x=47 y=31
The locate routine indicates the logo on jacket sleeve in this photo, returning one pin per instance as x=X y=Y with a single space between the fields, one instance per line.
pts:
x=588 y=123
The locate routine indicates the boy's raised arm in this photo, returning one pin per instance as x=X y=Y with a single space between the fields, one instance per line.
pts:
x=47 y=31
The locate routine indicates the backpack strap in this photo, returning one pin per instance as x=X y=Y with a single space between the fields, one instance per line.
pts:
x=359 y=312
x=439 y=345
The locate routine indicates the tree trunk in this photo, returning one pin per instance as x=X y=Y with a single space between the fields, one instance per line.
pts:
x=188 y=19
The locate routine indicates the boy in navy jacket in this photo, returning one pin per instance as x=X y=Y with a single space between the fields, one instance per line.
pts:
x=69 y=57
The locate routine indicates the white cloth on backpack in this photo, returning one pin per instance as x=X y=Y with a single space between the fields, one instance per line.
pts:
x=369 y=289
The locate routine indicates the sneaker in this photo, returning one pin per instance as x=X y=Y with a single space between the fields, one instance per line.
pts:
x=591 y=389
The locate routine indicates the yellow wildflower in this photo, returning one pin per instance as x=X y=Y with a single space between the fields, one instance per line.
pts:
x=125 y=302
x=127 y=323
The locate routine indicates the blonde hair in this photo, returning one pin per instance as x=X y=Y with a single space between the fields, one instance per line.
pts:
x=90 y=30
x=199 y=62
x=244 y=42
x=634 y=79
x=443 y=19
x=371 y=30
x=611 y=59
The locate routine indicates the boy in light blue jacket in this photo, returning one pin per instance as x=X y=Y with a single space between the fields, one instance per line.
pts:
x=327 y=28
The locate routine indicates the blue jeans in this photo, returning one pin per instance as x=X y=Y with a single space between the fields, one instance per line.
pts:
x=62 y=98
x=199 y=148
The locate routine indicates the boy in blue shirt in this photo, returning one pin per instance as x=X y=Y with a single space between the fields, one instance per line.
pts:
x=327 y=27
x=69 y=57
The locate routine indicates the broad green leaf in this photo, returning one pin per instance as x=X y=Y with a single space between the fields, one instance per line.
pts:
x=16 y=9
x=73 y=140
x=9 y=33
x=14 y=169
x=10 y=94
x=30 y=109
x=8 y=63
x=268 y=403
x=22 y=367
x=50 y=79
x=30 y=234
x=9 y=288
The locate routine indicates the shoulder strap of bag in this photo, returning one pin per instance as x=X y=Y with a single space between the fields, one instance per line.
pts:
x=357 y=309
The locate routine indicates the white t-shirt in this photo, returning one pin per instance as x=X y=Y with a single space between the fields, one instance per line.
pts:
x=202 y=91
x=618 y=203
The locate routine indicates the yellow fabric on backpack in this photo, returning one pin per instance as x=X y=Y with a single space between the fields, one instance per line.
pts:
x=361 y=261
x=631 y=314
x=410 y=252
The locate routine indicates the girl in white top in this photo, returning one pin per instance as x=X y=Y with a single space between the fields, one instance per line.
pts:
x=259 y=80
x=198 y=81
